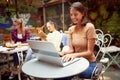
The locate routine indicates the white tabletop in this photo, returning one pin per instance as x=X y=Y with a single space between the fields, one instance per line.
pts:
x=40 y=69
x=6 y=50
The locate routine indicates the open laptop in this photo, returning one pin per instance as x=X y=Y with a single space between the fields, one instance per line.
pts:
x=46 y=51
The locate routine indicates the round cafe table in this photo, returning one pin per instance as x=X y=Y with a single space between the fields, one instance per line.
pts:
x=41 y=69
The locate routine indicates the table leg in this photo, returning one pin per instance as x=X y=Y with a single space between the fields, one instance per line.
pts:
x=8 y=61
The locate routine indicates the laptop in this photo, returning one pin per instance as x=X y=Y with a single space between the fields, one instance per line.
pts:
x=46 y=51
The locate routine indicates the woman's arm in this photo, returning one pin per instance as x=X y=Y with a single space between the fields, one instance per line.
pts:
x=27 y=33
x=89 y=53
x=14 y=35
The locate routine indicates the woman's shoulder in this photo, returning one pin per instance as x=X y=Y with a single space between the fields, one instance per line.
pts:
x=71 y=29
x=90 y=25
x=13 y=29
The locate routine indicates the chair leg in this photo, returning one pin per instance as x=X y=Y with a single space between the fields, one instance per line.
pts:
x=102 y=77
x=19 y=72
x=29 y=78
x=19 y=75
x=113 y=60
x=20 y=57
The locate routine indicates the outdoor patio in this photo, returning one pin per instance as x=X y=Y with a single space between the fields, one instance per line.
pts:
x=104 y=14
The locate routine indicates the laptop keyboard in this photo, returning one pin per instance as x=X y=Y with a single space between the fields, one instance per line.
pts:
x=76 y=59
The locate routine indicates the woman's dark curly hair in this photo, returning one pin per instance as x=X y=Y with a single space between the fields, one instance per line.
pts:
x=82 y=9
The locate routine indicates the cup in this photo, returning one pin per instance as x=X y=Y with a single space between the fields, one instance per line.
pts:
x=19 y=44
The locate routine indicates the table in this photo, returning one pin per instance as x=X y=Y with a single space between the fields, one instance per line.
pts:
x=41 y=69
x=13 y=50
x=9 y=51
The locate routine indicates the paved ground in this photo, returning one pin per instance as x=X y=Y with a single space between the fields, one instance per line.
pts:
x=113 y=73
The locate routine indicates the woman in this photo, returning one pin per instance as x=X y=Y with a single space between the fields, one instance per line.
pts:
x=18 y=32
x=19 y=35
x=54 y=35
x=82 y=39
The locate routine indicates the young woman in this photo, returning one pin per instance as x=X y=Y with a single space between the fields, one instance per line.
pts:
x=18 y=32
x=82 y=39
x=21 y=35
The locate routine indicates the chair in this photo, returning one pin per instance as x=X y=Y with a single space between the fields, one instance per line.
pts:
x=106 y=50
x=99 y=56
x=20 y=55
x=102 y=40
x=98 y=42
x=20 y=58
x=106 y=43
x=111 y=51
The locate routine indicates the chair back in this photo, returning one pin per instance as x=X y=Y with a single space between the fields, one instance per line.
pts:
x=102 y=40
x=99 y=42
x=106 y=42
x=99 y=34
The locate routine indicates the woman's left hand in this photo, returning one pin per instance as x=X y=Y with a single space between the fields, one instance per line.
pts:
x=68 y=57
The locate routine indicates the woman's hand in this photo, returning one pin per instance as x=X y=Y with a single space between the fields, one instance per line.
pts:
x=68 y=57
x=61 y=53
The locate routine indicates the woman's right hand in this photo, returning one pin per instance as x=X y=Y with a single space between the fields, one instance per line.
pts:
x=61 y=53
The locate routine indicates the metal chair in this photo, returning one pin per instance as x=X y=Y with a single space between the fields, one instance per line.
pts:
x=102 y=40
x=99 y=41
x=20 y=55
x=108 y=50
x=20 y=58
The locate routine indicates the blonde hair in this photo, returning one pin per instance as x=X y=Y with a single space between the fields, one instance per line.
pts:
x=22 y=24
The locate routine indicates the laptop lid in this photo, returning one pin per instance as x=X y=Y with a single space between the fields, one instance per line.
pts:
x=45 y=51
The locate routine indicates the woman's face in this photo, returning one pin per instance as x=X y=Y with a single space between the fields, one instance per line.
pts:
x=75 y=16
x=16 y=23
x=50 y=27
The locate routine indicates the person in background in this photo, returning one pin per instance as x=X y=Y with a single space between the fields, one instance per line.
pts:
x=53 y=36
x=65 y=41
x=81 y=39
x=19 y=34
